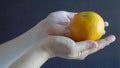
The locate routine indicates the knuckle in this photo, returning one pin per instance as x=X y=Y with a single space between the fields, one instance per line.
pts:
x=62 y=11
x=51 y=14
x=57 y=12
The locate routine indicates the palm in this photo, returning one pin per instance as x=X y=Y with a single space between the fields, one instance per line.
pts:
x=66 y=48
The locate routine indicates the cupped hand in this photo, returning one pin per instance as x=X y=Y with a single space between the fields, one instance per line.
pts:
x=64 y=47
x=59 y=42
x=57 y=23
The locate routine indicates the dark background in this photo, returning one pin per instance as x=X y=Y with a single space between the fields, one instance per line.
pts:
x=18 y=16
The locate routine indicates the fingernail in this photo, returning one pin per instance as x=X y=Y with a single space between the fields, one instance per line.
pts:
x=106 y=23
x=113 y=38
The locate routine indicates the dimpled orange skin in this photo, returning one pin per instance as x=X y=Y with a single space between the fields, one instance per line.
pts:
x=87 y=25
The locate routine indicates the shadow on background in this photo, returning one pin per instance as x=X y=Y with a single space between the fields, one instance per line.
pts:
x=18 y=16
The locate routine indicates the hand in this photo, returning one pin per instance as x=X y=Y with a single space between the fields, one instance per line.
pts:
x=59 y=46
x=56 y=25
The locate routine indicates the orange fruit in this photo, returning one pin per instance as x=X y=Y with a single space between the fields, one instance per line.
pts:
x=86 y=25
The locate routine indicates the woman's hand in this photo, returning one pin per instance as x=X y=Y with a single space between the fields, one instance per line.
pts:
x=57 y=26
x=57 y=23
x=59 y=46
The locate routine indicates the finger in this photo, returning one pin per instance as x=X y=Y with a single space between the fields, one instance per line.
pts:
x=102 y=43
x=106 y=41
x=99 y=45
x=106 y=23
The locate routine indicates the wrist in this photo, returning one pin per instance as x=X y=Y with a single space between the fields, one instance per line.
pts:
x=45 y=46
x=40 y=48
x=38 y=54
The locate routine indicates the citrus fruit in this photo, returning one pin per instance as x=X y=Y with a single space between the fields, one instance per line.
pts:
x=86 y=25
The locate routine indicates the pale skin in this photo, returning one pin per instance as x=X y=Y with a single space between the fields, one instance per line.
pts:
x=49 y=38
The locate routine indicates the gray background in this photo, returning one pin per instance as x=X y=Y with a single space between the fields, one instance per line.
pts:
x=18 y=16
